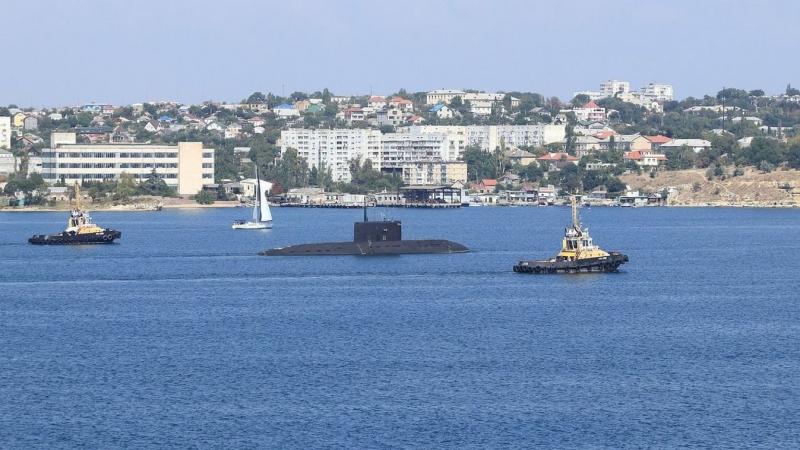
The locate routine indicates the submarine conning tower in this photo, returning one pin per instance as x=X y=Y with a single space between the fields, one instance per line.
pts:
x=382 y=230
x=385 y=230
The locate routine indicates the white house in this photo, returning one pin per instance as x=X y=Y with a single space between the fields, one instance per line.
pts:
x=590 y=112
x=644 y=158
x=286 y=110
x=442 y=111
x=391 y=116
x=5 y=132
x=697 y=145
x=232 y=131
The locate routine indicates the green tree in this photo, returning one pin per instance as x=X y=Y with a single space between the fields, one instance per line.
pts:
x=762 y=149
x=125 y=188
x=793 y=156
x=256 y=97
x=205 y=197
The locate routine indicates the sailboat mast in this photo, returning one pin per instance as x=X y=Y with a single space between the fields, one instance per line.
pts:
x=257 y=207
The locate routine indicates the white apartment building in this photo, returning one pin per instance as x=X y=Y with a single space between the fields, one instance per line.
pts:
x=186 y=166
x=658 y=92
x=443 y=96
x=400 y=148
x=610 y=88
x=481 y=103
x=433 y=172
x=336 y=148
x=590 y=112
x=8 y=163
x=333 y=148
x=593 y=95
x=489 y=137
x=5 y=132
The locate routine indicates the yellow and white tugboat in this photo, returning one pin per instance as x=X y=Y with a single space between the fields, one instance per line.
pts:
x=80 y=229
x=578 y=253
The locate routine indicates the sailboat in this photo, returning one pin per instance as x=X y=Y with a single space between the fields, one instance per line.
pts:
x=262 y=216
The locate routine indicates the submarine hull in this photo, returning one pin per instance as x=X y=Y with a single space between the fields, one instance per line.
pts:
x=608 y=263
x=369 y=248
x=102 y=237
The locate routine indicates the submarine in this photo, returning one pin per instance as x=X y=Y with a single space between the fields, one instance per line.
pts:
x=372 y=238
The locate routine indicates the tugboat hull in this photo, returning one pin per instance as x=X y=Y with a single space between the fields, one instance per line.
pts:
x=103 y=237
x=369 y=248
x=608 y=263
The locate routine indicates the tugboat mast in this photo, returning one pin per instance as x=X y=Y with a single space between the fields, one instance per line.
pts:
x=77 y=190
x=576 y=222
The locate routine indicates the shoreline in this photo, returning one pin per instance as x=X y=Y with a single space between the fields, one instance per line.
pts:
x=123 y=208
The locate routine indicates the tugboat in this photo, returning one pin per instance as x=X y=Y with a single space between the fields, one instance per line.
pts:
x=80 y=229
x=578 y=253
x=375 y=238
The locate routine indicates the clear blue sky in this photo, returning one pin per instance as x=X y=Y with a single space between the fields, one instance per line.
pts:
x=61 y=52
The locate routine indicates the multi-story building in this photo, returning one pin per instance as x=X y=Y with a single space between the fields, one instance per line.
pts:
x=481 y=103
x=186 y=166
x=443 y=96
x=5 y=132
x=490 y=137
x=399 y=148
x=8 y=163
x=433 y=172
x=333 y=149
x=590 y=112
x=610 y=88
x=658 y=92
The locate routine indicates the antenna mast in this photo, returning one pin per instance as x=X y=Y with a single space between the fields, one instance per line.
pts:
x=576 y=222
x=77 y=196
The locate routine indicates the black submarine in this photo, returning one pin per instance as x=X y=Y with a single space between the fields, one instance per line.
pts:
x=372 y=238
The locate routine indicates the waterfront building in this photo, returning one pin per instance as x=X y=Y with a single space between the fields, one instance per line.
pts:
x=186 y=166
x=399 y=148
x=5 y=132
x=333 y=149
x=8 y=163
x=421 y=173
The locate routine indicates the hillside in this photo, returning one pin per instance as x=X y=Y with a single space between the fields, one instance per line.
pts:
x=692 y=188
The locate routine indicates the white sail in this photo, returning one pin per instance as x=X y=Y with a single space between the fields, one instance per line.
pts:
x=266 y=214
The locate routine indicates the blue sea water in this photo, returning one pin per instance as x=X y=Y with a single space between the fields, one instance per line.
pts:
x=181 y=336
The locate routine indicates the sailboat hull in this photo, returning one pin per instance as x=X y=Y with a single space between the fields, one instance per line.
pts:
x=252 y=225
